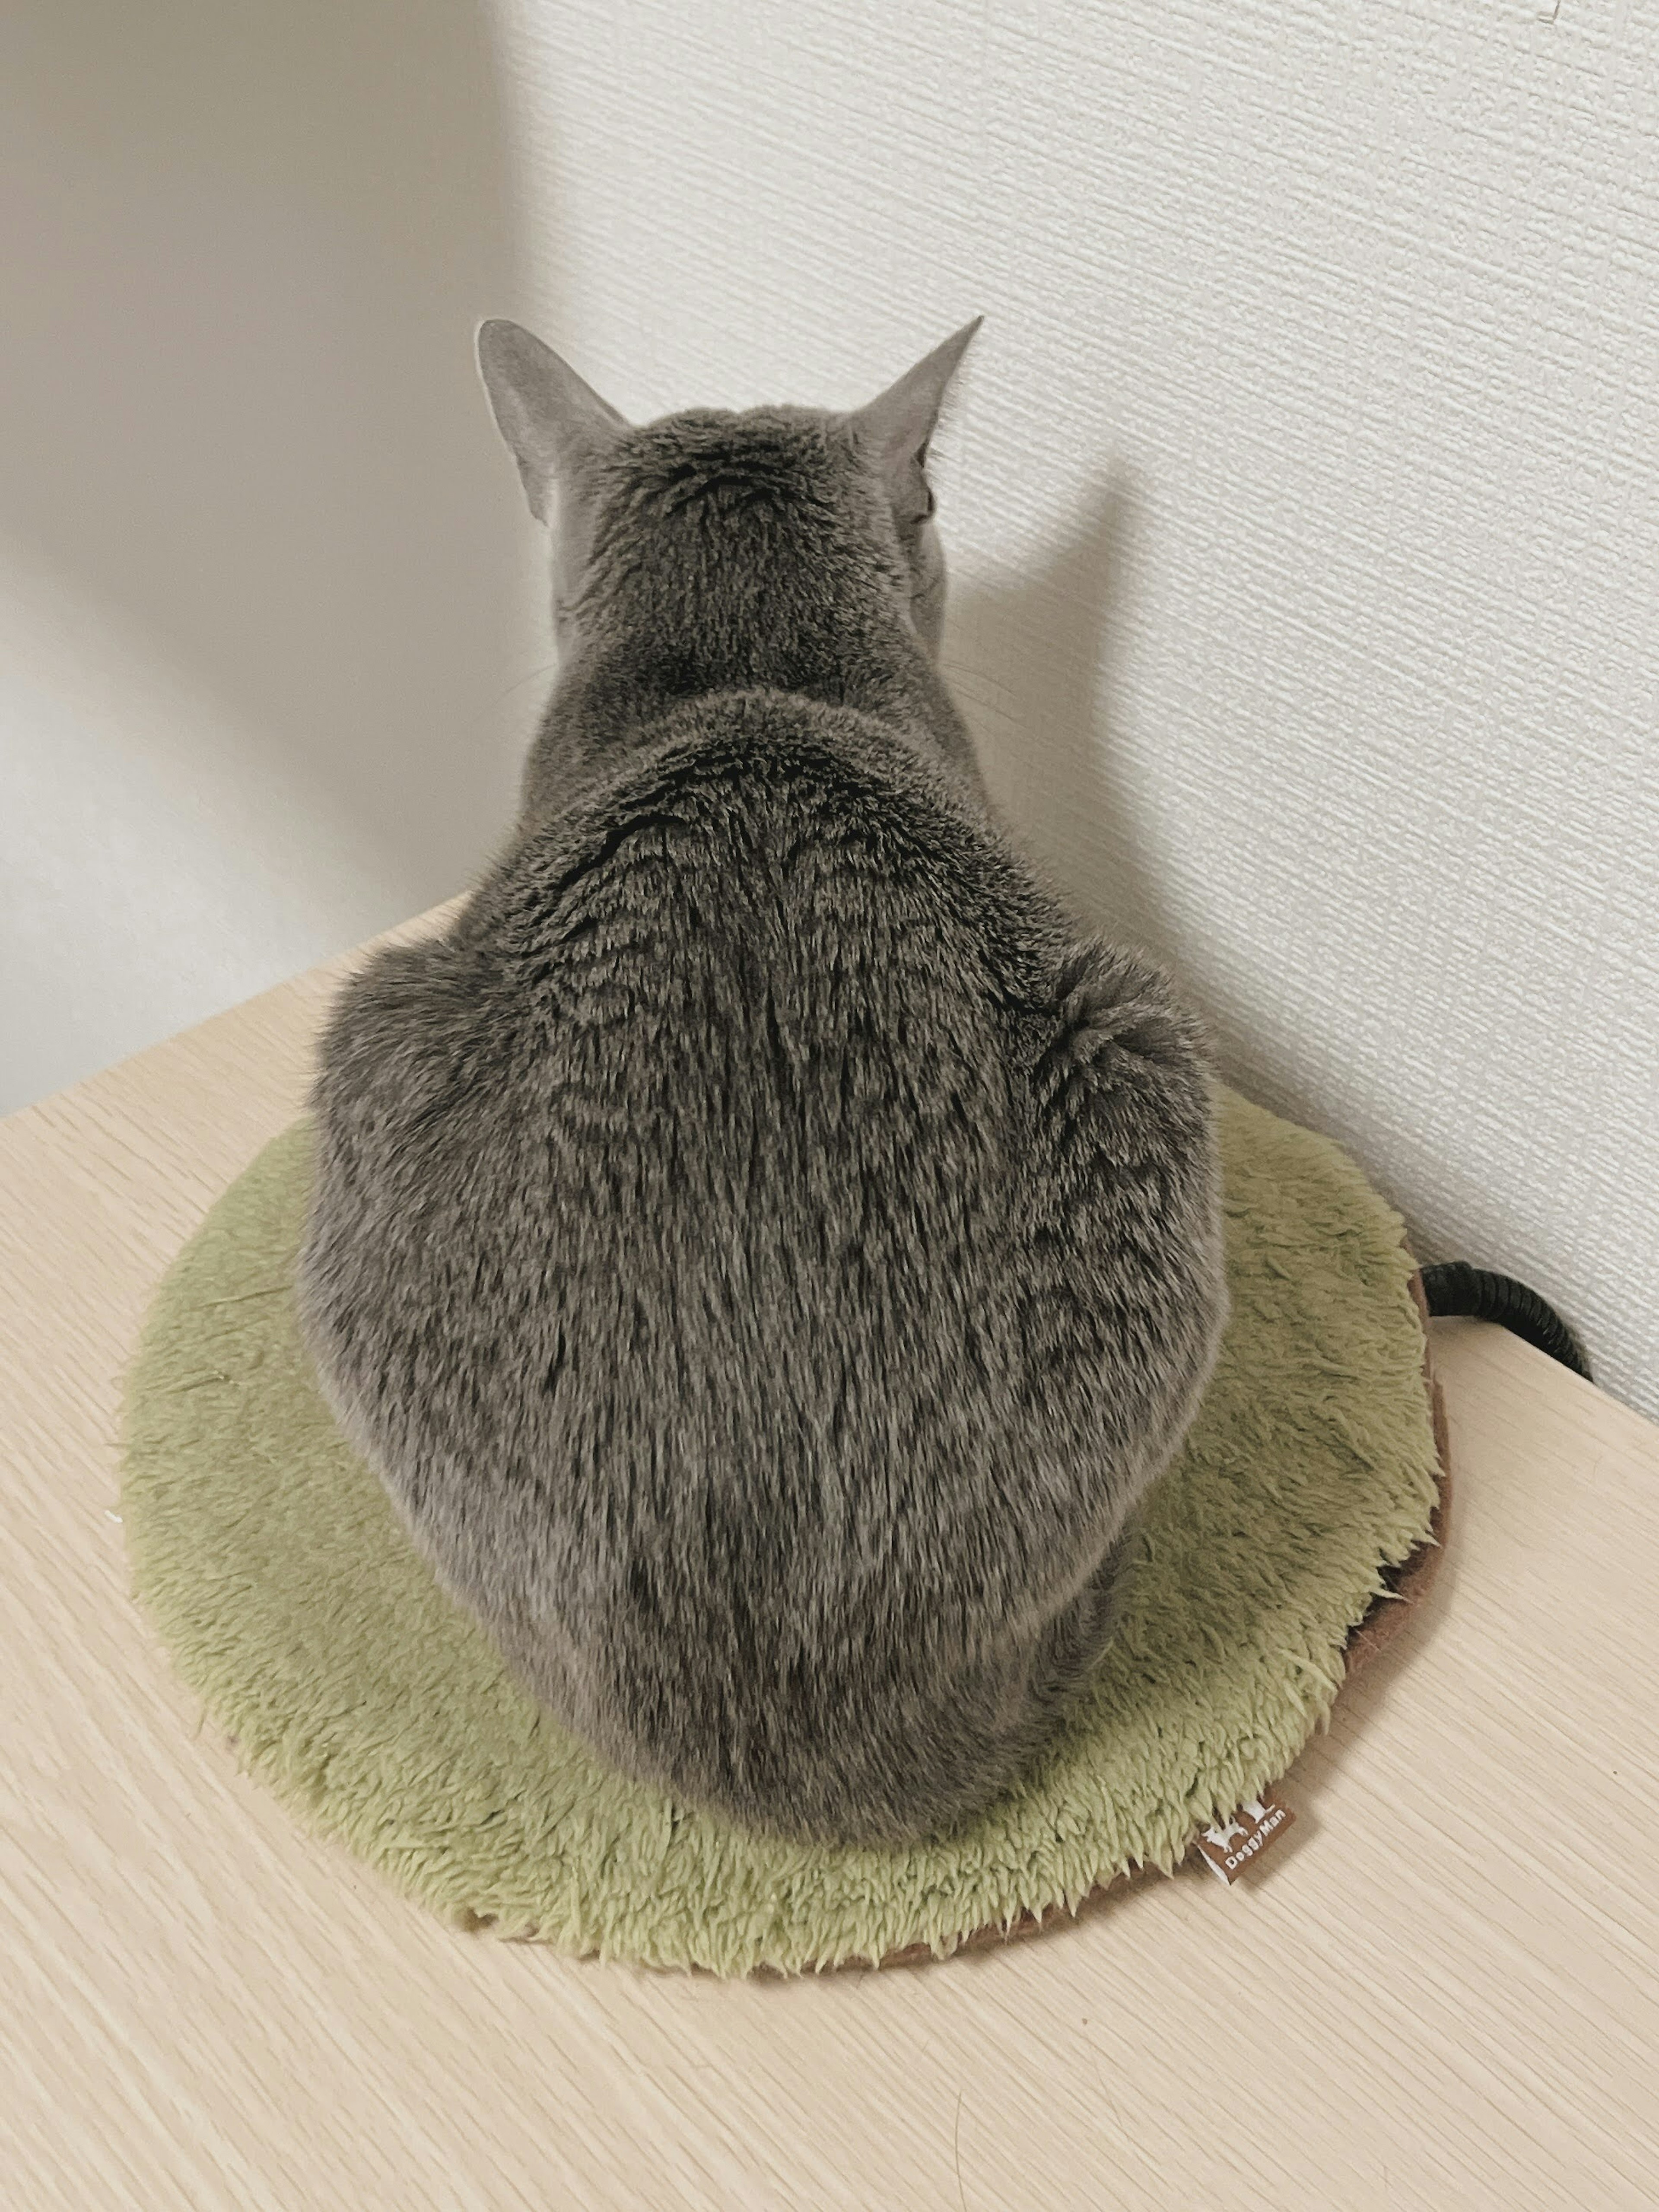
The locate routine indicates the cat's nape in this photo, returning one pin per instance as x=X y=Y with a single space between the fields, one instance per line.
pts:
x=764 y=1252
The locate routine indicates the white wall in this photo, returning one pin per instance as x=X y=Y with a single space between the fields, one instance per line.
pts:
x=260 y=571
x=1302 y=493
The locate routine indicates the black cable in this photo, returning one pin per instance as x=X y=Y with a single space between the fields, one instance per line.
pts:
x=1455 y=1287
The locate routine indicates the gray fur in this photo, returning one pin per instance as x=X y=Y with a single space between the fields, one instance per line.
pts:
x=764 y=1254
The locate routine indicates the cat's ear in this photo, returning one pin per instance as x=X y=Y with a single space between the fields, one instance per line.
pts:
x=554 y=423
x=894 y=429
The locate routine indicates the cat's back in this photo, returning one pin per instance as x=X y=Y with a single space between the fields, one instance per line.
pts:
x=702 y=1119
x=757 y=1014
x=780 y=935
x=722 y=1252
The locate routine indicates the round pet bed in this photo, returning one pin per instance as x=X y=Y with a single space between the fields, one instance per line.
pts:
x=293 y=1604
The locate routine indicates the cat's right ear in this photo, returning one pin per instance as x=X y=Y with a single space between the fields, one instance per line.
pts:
x=555 y=425
x=893 y=429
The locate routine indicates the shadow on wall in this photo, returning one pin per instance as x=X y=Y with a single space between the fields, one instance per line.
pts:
x=237 y=399
x=1033 y=659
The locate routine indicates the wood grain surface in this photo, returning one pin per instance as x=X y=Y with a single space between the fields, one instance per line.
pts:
x=1440 y=1991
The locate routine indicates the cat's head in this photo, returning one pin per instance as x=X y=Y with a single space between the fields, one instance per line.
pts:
x=767 y=537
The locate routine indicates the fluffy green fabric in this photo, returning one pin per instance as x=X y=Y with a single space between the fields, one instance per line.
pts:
x=293 y=1603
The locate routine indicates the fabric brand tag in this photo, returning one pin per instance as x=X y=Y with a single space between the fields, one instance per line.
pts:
x=1239 y=1842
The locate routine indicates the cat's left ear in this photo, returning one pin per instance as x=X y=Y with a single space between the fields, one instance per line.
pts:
x=554 y=423
x=893 y=429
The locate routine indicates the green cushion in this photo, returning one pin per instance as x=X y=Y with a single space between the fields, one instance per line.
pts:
x=293 y=1604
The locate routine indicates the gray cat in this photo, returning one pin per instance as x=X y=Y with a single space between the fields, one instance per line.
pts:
x=765 y=1255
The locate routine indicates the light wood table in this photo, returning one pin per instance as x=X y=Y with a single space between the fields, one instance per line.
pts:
x=1439 y=1992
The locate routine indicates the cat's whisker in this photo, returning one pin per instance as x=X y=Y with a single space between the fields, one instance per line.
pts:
x=536 y=676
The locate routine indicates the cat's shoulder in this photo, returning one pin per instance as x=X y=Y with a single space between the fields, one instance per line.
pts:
x=764 y=749
x=727 y=780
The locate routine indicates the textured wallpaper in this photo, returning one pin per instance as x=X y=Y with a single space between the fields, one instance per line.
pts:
x=1302 y=494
